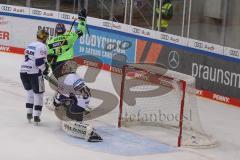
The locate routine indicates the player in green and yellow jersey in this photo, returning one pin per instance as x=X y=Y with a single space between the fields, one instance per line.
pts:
x=60 y=48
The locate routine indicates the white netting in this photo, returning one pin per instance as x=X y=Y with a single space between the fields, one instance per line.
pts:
x=152 y=97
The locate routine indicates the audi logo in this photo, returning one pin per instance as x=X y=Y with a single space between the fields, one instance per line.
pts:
x=198 y=45
x=65 y=16
x=107 y=24
x=36 y=12
x=136 y=30
x=6 y=8
x=164 y=36
x=124 y=45
x=234 y=53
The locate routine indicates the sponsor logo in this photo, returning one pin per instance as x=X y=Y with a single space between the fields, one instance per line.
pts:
x=65 y=16
x=4 y=48
x=19 y=10
x=36 y=12
x=234 y=53
x=216 y=75
x=44 y=13
x=221 y=98
x=122 y=45
x=172 y=38
x=201 y=45
x=12 y=9
x=107 y=24
x=111 y=25
x=116 y=70
x=49 y=14
x=165 y=37
x=136 y=30
x=50 y=30
x=6 y=8
x=173 y=59
x=198 y=45
x=4 y=35
x=141 y=31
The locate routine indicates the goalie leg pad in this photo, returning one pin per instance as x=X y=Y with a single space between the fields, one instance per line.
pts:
x=81 y=130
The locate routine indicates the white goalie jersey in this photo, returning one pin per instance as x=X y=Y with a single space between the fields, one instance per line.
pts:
x=74 y=85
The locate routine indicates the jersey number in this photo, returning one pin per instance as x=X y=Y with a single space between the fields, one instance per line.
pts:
x=57 y=51
x=27 y=53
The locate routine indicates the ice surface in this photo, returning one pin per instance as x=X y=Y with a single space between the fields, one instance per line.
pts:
x=21 y=140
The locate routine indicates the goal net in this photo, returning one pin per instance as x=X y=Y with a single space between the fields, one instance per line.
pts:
x=154 y=96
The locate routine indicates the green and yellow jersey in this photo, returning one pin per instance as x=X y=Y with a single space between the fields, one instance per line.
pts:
x=61 y=46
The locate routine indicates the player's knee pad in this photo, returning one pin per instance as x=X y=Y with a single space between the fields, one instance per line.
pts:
x=30 y=97
x=38 y=99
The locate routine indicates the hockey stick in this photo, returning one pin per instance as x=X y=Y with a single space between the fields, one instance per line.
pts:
x=88 y=31
x=73 y=22
x=51 y=80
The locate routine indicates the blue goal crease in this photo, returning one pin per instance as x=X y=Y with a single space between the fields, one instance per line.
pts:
x=121 y=142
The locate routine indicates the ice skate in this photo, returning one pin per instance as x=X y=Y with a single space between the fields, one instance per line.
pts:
x=29 y=117
x=36 y=120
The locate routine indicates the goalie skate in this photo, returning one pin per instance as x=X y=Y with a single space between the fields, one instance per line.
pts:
x=94 y=137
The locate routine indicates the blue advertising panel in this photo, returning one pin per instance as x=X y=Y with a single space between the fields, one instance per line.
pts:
x=105 y=45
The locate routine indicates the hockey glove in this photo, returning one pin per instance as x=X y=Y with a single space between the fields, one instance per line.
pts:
x=52 y=58
x=82 y=14
x=60 y=100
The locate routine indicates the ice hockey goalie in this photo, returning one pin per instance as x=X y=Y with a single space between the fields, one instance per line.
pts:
x=70 y=104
